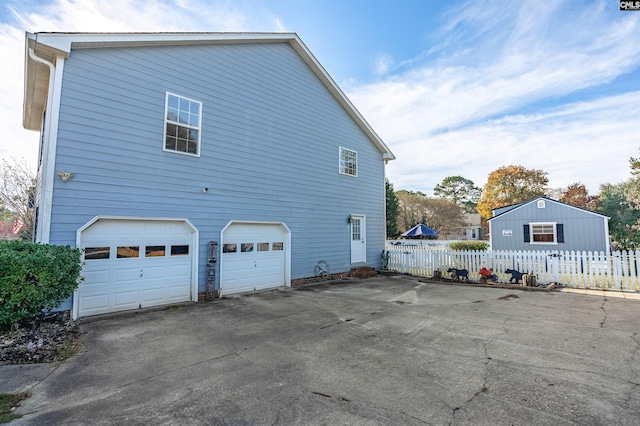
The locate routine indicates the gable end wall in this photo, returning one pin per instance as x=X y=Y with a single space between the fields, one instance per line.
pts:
x=270 y=138
x=583 y=231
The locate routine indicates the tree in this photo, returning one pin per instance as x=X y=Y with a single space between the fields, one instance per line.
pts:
x=621 y=202
x=411 y=209
x=442 y=215
x=17 y=189
x=617 y=202
x=392 y=210
x=576 y=194
x=510 y=185
x=460 y=190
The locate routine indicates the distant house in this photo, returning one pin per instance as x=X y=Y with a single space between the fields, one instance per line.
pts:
x=546 y=224
x=470 y=231
x=154 y=145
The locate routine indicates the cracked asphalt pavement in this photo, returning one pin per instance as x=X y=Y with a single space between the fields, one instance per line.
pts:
x=386 y=350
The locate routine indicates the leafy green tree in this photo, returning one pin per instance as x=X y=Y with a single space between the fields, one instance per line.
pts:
x=511 y=185
x=621 y=202
x=461 y=191
x=616 y=201
x=392 y=210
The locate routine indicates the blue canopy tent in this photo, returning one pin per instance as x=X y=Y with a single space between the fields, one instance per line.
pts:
x=420 y=231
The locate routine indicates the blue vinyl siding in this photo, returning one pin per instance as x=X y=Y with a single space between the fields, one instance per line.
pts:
x=583 y=230
x=270 y=138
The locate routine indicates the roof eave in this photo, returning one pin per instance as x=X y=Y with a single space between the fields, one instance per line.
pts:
x=36 y=78
x=50 y=45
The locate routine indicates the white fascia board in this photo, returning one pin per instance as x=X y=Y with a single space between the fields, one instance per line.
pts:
x=67 y=41
x=546 y=199
x=324 y=76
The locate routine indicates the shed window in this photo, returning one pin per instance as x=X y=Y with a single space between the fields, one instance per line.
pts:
x=544 y=233
x=183 y=118
x=348 y=162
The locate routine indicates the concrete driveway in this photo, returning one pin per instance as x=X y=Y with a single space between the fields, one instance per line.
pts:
x=377 y=351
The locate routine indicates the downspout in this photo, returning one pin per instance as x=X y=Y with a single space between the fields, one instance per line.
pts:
x=44 y=210
x=43 y=61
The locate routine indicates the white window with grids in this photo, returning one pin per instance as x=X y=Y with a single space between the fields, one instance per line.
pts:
x=182 y=125
x=543 y=233
x=348 y=162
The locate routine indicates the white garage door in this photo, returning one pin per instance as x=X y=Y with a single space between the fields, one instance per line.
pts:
x=129 y=264
x=254 y=257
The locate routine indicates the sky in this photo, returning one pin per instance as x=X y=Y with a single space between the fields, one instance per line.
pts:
x=453 y=88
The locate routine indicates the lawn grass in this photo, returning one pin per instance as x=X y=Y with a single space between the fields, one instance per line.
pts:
x=9 y=401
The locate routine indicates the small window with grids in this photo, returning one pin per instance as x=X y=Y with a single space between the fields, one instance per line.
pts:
x=183 y=119
x=348 y=162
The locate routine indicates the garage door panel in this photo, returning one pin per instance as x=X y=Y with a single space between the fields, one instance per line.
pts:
x=94 y=278
x=155 y=277
x=177 y=292
x=127 y=274
x=95 y=302
x=126 y=298
x=151 y=295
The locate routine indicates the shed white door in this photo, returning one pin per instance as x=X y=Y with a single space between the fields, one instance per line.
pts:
x=253 y=257
x=130 y=264
x=358 y=239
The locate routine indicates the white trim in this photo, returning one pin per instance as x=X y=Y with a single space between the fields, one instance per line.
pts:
x=555 y=233
x=287 y=253
x=199 y=128
x=607 y=237
x=49 y=147
x=195 y=240
x=340 y=150
x=65 y=42
x=490 y=237
x=546 y=199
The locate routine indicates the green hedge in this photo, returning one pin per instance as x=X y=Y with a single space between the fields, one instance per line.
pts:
x=469 y=246
x=35 y=277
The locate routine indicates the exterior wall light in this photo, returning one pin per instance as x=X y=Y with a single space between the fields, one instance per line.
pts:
x=65 y=176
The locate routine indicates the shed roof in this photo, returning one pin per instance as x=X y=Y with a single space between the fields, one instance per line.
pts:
x=50 y=46
x=518 y=206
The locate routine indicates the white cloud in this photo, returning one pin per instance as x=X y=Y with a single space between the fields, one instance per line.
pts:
x=457 y=115
x=589 y=142
x=383 y=63
x=99 y=16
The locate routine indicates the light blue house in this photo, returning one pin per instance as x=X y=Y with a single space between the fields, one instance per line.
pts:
x=154 y=145
x=546 y=224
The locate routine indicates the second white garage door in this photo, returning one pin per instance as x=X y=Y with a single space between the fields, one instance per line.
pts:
x=254 y=256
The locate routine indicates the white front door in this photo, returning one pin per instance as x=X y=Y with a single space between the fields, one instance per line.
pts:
x=358 y=239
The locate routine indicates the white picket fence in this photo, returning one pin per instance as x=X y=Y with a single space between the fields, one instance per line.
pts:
x=618 y=270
